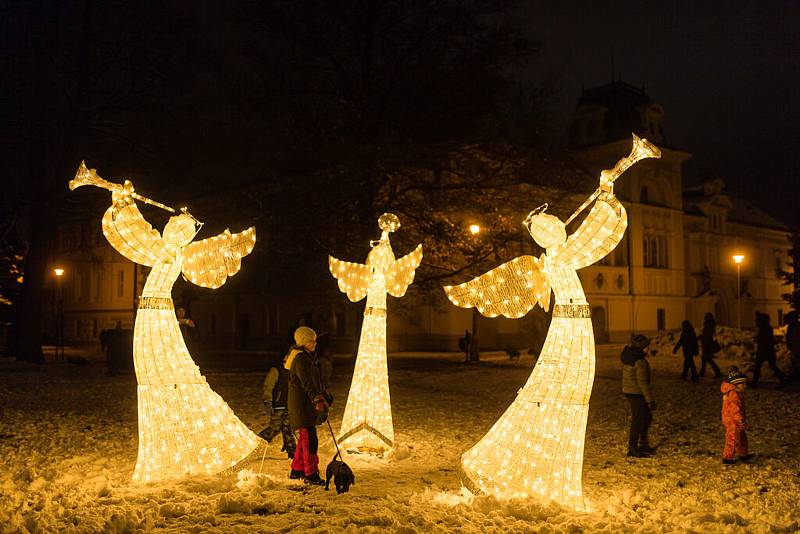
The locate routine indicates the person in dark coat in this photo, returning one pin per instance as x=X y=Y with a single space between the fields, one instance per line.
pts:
x=765 y=349
x=688 y=342
x=710 y=346
x=308 y=405
x=637 y=389
x=793 y=341
x=276 y=402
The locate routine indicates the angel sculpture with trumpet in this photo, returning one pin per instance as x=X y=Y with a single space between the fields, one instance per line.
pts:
x=535 y=449
x=185 y=428
x=367 y=421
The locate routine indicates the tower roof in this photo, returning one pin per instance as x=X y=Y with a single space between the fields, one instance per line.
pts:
x=611 y=112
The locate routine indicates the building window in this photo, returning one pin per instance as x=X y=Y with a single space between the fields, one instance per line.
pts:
x=778 y=260
x=780 y=317
x=120 y=283
x=656 y=251
x=661 y=318
x=643 y=195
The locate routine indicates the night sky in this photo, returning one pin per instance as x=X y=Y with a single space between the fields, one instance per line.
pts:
x=726 y=77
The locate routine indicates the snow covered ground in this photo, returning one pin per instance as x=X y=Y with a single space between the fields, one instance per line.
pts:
x=68 y=447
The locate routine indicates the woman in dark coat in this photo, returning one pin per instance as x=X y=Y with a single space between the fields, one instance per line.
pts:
x=709 y=345
x=688 y=342
x=307 y=403
x=765 y=350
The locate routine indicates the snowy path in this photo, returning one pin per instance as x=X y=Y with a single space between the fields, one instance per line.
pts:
x=68 y=447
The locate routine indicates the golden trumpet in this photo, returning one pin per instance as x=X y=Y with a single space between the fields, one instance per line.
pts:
x=642 y=149
x=86 y=176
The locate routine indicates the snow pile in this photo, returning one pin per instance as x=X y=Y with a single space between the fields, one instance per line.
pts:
x=68 y=446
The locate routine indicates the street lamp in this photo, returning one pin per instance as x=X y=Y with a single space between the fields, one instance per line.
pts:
x=738 y=259
x=59 y=272
x=474 y=350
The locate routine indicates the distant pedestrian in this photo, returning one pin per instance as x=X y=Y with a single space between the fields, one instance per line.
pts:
x=275 y=395
x=793 y=341
x=688 y=342
x=710 y=346
x=637 y=389
x=186 y=324
x=734 y=417
x=465 y=344
x=765 y=349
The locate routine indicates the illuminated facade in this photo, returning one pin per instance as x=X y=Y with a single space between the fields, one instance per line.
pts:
x=367 y=421
x=185 y=428
x=536 y=447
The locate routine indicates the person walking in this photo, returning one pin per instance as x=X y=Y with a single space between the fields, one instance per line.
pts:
x=688 y=342
x=637 y=389
x=765 y=350
x=275 y=395
x=307 y=405
x=793 y=342
x=710 y=346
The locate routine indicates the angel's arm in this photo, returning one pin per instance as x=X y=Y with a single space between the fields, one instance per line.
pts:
x=598 y=234
x=131 y=235
x=510 y=290
x=400 y=275
x=209 y=262
x=353 y=278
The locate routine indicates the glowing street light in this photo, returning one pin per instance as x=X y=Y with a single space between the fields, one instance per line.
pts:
x=59 y=344
x=738 y=259
x=474 y=229
x=58 y=271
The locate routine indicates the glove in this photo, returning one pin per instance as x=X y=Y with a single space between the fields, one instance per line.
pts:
x=652 y=406
x=319 y=403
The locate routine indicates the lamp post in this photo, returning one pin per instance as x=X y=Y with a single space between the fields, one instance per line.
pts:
x=737 y=259
x=474 y=349
x=59 y=272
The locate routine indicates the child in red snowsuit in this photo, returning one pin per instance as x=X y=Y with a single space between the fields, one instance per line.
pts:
x=734 y=417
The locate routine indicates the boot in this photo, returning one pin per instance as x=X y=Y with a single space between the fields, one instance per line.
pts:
x=727 y=461
x=647 y=449
x=314 y=480
x=296 y=474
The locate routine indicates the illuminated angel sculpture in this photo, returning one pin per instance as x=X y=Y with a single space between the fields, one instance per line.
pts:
x=535 y=449
x=185 y=428
x=367 y=421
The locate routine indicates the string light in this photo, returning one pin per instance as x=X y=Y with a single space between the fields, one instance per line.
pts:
x=367 y=421
x=185 y=428
x=535 y=449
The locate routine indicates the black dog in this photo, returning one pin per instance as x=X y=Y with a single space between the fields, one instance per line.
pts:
x=341 y=474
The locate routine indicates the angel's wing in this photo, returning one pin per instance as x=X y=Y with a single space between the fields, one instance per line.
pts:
x=209 y=262
x=400 y=275
x=353 y=277
x=510 y=290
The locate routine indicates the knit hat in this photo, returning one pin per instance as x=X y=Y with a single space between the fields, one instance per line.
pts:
x=736 y=377
x=304 y=335
x=640 y=341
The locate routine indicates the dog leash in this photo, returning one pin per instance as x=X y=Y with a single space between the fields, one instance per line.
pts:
x=338 y=452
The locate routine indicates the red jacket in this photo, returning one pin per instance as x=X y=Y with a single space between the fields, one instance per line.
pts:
x=733 y=412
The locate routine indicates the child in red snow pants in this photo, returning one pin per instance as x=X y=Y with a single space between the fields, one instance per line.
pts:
x=305 y=456
x=734 y=417
x=735 y=442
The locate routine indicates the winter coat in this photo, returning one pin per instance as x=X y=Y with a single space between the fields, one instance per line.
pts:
x=707 y=337
x=304 y=388
x=688 y=341
x=636 y=373
x=733 y=412
x=765 y=342
x=276 y=388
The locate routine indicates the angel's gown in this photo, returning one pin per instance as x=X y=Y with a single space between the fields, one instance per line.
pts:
x=367 y=420
x=536 y=447
x=184 y=426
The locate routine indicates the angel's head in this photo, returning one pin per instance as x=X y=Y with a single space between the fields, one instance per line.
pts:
x=547 y=230
x=181 y=229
